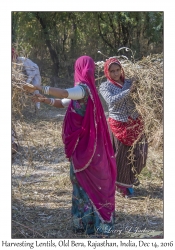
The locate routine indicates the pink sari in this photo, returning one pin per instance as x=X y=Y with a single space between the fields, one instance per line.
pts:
x=88 y=145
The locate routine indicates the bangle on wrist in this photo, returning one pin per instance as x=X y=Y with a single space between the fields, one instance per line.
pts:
x=45 y=90
x=52 y=102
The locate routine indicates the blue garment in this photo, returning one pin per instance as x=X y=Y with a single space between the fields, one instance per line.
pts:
x=130 y=190
x=85 y=218
x=120 y=104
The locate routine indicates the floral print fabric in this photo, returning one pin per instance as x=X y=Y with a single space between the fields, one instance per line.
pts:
x=85 y=218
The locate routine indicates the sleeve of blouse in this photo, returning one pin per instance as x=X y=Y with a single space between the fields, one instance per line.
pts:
x=127 y=85
x=65 y=102
x=110 y=97
x=76 y=93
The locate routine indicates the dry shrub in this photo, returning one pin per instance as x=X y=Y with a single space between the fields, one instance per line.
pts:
x=148 y=95
x=20 y=99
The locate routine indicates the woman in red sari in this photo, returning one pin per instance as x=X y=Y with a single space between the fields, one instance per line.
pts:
x=88 y=148
x=125 y=125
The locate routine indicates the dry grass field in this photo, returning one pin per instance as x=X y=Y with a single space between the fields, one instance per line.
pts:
x=41 y=188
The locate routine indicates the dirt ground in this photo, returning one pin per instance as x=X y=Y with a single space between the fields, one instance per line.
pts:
x=41 y=189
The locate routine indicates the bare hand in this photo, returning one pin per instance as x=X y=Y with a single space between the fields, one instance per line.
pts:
x=38 y=98
x=133 y=88
x=29 y=88
x=134 y=79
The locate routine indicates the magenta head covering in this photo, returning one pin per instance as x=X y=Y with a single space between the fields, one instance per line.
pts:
x=84 y=69
x=88 y=145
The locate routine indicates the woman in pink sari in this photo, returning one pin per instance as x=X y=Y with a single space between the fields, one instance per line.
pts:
x=88 y=148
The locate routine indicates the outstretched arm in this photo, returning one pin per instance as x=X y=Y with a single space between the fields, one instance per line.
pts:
x=56 y=92
x=41 y=98
x=75 y=93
